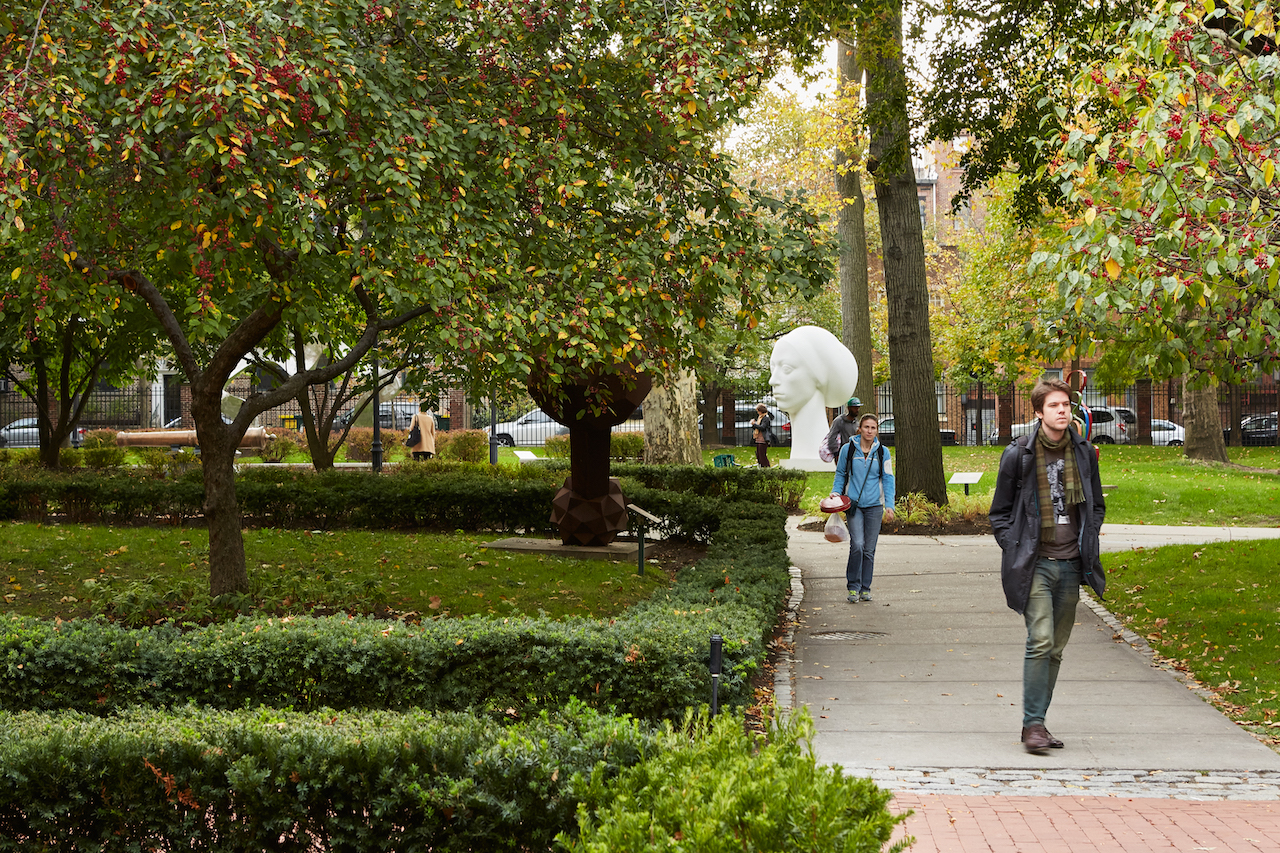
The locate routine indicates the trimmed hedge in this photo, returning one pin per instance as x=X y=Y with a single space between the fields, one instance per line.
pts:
x=279 y=780
x=651 y=662
x=435 y=494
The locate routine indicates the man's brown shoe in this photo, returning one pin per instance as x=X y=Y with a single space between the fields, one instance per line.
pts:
x=1036 y=738
x=1054 y=743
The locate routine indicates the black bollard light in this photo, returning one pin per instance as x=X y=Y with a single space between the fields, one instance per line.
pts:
x=716 y=661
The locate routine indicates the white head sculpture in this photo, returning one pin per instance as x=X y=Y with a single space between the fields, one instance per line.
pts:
x=810 y=370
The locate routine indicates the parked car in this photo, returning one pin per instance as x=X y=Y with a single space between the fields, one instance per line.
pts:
x=1167 y=433
x=1259 y=430
x=25 y=432
x=395 y=414
x=887 y=433
x=1112 y=425
x=531 y=429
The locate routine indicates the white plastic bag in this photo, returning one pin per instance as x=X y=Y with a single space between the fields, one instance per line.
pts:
x=824 y=452
x=836 y=530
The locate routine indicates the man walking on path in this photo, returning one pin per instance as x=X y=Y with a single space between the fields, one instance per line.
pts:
x=1046 y=514
x=844 y=427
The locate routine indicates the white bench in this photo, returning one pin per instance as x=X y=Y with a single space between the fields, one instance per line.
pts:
x=525 y=456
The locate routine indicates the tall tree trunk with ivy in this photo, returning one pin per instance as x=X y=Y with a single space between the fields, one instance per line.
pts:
x=855 y=302
x=918 y=448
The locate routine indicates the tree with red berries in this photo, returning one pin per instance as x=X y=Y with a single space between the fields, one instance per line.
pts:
x=1169 y=168
x=534 y=180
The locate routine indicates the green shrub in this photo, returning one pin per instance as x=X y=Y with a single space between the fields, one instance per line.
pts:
x=463 y=445
x=195 y=779
x=627 y=445
x=360 y=444
x=712 y=788
x=557 y=447
x=651 y=661
x=104 y=457
x=99 y=438
x=279 y=448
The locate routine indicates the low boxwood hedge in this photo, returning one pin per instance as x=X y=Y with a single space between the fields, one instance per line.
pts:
x=438 y=494
x=651 y=662
x=262 y=779
x=192 y=779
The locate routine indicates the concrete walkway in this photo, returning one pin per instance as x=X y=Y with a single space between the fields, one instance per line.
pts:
x=921 y=689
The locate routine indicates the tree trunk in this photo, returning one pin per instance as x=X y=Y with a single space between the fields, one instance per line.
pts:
x=218 y=442
x=671 y=422
x=855 y=303
x=918 y=442
x=1202 y=422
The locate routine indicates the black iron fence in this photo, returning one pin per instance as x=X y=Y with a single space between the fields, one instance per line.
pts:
x=967 y=415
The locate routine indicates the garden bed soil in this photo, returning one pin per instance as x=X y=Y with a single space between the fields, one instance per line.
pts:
x=954 y=527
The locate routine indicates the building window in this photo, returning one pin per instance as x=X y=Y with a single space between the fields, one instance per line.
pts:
x=924 y=207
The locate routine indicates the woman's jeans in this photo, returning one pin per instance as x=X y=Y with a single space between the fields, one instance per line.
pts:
x=762 y=454
x=1050 y=614
x=864 y=530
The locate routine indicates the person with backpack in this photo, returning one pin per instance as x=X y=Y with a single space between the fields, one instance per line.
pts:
x=864 y=473
x=843 y=428
x=1047 y=514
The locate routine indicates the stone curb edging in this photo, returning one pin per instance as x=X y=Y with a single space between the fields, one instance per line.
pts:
x=1020 y=782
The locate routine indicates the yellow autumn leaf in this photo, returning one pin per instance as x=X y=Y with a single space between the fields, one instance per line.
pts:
x=17 y=271
x=1233 y=128
x=175 y=226
x=1090 y=215
x=1268 y=171
x=691 y=107
x=1113 y=268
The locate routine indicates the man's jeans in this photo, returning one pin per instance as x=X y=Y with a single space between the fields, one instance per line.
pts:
x=864 y=531
x=1050 y=614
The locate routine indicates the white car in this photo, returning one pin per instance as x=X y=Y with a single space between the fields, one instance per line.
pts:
x=1111 y=425
x=531 y=429
x=1167 y=433
x=25 y=432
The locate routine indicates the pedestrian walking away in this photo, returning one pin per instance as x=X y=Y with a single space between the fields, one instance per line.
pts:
x=864 y=472
x=1046 y=514
x=762 y=432
x=425 y=423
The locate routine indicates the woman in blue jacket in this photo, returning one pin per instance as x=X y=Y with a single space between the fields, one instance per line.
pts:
x=864 y=472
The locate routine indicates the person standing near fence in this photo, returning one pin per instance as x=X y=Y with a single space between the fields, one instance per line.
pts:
x=1047 y=514
x=425 y=423
x=762 y=432
x=864 y=472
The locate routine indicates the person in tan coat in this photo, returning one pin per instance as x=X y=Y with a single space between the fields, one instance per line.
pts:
x=426 y=424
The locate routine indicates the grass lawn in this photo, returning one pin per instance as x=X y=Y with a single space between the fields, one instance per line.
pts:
x=1153 y=485
x=1211 y=611
x=141 y=574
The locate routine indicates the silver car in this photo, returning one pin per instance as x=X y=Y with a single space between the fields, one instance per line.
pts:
x=1167 y=433
x=25 y=432
x=531 y=429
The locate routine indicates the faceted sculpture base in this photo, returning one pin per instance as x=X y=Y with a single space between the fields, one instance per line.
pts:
x=589 y=521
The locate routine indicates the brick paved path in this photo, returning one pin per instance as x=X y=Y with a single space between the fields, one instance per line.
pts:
x=1090 y=824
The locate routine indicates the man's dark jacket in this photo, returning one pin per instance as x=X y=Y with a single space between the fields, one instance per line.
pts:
x=1015 y=517
x=842 y=430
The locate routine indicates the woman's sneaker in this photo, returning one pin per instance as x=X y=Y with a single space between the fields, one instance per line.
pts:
x=866 y=595
x=853 y=597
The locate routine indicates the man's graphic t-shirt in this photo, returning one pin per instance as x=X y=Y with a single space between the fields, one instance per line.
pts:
x=1064 y=544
